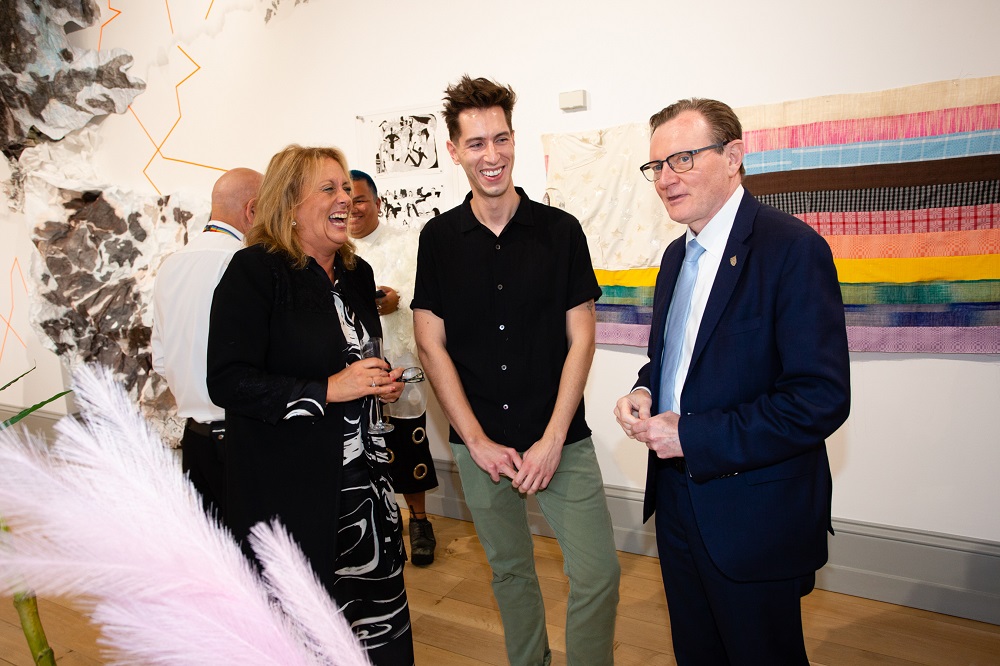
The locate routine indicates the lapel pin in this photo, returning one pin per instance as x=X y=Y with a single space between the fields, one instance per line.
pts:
x=732 y=260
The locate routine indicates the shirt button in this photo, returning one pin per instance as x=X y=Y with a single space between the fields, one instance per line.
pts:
x=499 y=287
x=506 y=407
x=502 y=327
x=498 y=246
x=503 y=367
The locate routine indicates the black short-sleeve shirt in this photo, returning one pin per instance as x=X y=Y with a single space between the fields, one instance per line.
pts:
x=504 y=302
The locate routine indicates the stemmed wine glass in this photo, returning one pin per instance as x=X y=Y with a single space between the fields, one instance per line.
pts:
x=372 y=348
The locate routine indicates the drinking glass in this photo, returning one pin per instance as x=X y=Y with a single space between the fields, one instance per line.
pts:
x=378 y=426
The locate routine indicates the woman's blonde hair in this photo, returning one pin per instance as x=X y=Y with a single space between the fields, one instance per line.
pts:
x=282 y=190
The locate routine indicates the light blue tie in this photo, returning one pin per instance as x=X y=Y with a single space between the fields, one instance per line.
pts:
x=673 y=336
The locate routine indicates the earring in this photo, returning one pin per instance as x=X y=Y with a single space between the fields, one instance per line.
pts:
x=294 y=223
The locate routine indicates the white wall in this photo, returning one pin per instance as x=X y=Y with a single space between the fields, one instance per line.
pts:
x=921 y=446
x=20 y=347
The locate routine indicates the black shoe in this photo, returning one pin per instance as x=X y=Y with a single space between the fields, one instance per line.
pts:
x=422 y=542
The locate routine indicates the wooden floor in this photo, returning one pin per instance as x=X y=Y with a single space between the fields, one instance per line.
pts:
x=455 y=620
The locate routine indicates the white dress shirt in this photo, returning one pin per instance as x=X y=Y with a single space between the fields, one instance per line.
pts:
x=713 y=238
x=182 y=303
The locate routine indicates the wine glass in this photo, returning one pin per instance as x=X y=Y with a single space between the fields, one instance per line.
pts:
x=372 y=348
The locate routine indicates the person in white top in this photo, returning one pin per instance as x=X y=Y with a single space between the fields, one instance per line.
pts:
x=392 y=253
x=182 y=302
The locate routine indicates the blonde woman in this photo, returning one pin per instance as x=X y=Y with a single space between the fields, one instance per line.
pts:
x=289 y=319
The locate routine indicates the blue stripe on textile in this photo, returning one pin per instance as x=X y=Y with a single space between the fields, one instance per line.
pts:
x=624 y=314
x=954 y=315
x=964 y=144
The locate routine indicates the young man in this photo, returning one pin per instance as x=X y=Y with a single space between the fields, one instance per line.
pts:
x=391 y=255
x=504 y=320
x=748 y=374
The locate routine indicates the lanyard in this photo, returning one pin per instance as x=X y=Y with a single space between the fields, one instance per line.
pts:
x=220 y=230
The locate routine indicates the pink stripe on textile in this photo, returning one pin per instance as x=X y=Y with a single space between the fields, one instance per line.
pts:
x=894 y=339
x=925 y=339
x=936 y=244
x=885 y=128
x=629 y=335
x=923 y=220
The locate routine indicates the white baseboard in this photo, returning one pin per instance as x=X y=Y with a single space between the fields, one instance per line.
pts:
x=943 y=573
x=40 y=422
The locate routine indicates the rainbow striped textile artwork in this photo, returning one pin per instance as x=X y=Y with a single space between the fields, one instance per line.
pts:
x=903 y=184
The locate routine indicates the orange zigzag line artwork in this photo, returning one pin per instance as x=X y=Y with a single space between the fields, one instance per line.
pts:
x=158 y=146
x=170 y=19
x=100 y=36
x=209 y=8
x=8 y=326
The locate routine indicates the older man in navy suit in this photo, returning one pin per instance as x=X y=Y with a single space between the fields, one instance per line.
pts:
x=748 y=374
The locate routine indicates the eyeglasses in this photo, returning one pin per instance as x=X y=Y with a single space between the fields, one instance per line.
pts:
x=678 y=162
x=412 y=375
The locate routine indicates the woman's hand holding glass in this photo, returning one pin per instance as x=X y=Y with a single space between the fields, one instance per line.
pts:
x=369 y=376
x=372 y=348
x=393 y=388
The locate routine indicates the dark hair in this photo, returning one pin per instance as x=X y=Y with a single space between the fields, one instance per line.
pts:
x=721 y=118
x=479 y=93
x=361 y=175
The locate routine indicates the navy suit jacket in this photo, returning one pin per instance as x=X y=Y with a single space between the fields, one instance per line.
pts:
x=769 y=381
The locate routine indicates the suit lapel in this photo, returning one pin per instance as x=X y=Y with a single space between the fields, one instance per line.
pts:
x=729 y=273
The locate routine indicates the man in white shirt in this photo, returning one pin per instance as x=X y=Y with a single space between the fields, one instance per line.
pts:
x=182 y=302
x=392 y=254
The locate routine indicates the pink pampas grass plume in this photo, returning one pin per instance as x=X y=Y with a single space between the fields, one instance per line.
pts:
x=105 y=514
x=292 y=582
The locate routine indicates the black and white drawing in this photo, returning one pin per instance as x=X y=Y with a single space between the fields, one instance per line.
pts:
x=407 y=143
x=412 y=206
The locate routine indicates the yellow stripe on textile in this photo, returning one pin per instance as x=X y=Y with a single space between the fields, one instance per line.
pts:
x=930 y=244
x=853 y=271
x=919 y=269
x=633 y=277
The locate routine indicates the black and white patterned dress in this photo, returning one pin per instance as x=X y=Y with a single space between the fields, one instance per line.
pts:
x=369 y=564
x=277 y=334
